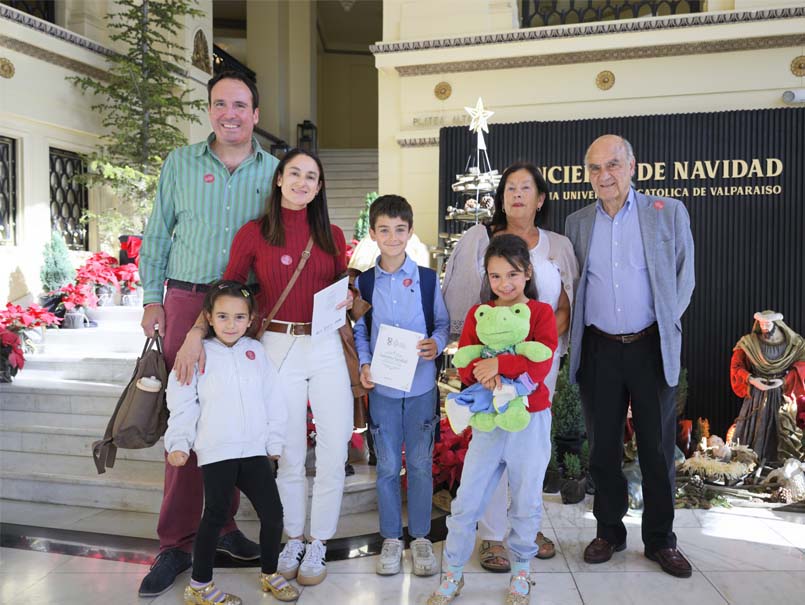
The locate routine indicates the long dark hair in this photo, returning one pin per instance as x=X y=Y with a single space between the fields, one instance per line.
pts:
x=318 y=219
x=514 y=250
x=498 y=222
x=226 y=287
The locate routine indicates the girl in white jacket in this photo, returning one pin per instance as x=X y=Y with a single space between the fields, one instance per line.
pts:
x=229 y=415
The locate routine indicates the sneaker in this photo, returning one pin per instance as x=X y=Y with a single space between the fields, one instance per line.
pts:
x=278 y=586
x=312 y=569
x=424 y=560
x=390 y=556
x=238 y=546
x=290 y=558
x=205 y=596
x=168 y=564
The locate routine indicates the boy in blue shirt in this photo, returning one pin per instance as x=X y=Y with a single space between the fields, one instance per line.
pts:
x=406 y=296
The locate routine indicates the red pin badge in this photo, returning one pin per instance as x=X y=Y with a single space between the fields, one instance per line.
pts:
x=407 y=282
x=286 y=259
x=209 y=178
x=250 y=355
x=659 y=204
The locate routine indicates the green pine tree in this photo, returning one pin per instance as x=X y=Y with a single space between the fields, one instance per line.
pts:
x=57 y=270
x=362 y=224
x=143 y=105
x=568 y=421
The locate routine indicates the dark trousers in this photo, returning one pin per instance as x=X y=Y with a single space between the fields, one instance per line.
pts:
x=255 y=478
x=611 y=376
x=183 y=493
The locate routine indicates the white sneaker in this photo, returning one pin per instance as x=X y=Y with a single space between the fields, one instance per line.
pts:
x=313 y=569
x=390 y=556
x=289 y=559
x=424 y=559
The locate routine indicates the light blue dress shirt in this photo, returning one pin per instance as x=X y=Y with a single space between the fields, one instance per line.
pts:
x=618 y=297
x=397 y=301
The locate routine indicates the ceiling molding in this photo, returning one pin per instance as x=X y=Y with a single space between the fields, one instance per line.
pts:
x=607 y=55
x=595 y=29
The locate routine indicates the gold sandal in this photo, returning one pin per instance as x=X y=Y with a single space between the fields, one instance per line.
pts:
x=438 y=598
x=547 y=550
x=494 y=557
x=278 y=586
x=200 y=596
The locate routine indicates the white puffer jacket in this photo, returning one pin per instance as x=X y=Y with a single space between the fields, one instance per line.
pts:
x=233 y=410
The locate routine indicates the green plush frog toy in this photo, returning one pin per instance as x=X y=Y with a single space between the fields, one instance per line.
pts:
x=501 y=330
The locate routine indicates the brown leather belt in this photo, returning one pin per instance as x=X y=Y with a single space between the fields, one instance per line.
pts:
x=625 y=338
x=184 y=285
x=299 y=329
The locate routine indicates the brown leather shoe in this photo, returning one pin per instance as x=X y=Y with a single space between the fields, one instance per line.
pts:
x=600 y=551
x=672 y=562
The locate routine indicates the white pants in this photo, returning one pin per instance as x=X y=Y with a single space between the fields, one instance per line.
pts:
x=493 y=525
x=525 y=455
x=312 y=370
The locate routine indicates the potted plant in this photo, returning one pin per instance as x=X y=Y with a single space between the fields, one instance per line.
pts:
x=99 y=273
x=553 y=480
x=131 y=292
x=74 y=299
x=574 y=483
x=14 y=322
x=568 y=422
x=12 y=358
x=448 y=462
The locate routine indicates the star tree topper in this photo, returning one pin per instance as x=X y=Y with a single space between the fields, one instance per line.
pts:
x=479 y=123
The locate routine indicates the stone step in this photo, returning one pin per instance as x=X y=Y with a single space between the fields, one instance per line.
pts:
x=107 y=367
x=109 y=338
x=132 y=485
x=67 y=441
x=34 y=394
x=117 y=313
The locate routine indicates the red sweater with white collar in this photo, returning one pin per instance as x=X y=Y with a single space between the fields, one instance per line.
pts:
x=543 y=329
x=274 y=265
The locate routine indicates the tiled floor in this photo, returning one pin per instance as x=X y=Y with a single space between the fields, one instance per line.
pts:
x=741 y=556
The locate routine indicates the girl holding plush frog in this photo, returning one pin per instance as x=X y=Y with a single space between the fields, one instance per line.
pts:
x=524 y=453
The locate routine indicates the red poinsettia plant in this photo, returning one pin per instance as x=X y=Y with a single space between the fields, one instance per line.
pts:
x=16 y=318
x=77 y=296
x=127 y=276
x=12 y=358
x=448 y=457
x=99 y=269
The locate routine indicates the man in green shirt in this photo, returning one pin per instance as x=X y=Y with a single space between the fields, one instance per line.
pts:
x=207 y=191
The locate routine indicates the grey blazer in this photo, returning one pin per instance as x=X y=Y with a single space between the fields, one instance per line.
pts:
x=668 y=244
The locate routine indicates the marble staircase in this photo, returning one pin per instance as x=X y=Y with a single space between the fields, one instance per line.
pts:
x=61 y=402
x=349 y=175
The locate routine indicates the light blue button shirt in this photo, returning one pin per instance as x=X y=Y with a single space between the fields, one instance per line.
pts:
x=397 y=301
x=618 y=298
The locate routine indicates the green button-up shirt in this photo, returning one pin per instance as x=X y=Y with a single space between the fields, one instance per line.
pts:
x=198 y=209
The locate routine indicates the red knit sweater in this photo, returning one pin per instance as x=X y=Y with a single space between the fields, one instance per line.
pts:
x=543 y=329
x=273 y=266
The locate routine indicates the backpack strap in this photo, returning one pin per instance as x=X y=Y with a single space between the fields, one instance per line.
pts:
x=366 y=286
x=427 y=287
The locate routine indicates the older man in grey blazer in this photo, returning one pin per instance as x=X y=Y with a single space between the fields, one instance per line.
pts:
x=636 y=254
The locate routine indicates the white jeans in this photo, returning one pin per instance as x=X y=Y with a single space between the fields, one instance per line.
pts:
x=494 y=524
x=525 y=455
x=312 y=370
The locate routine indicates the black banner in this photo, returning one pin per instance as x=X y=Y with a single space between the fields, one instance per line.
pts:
x=741 y=175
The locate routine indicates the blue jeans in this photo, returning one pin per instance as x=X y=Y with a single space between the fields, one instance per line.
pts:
x=410 y=420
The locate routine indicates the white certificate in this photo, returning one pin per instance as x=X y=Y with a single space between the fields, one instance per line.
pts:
x=395 y=357
x=326 y=318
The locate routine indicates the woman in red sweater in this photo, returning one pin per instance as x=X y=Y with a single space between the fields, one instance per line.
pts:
x=271 y=246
